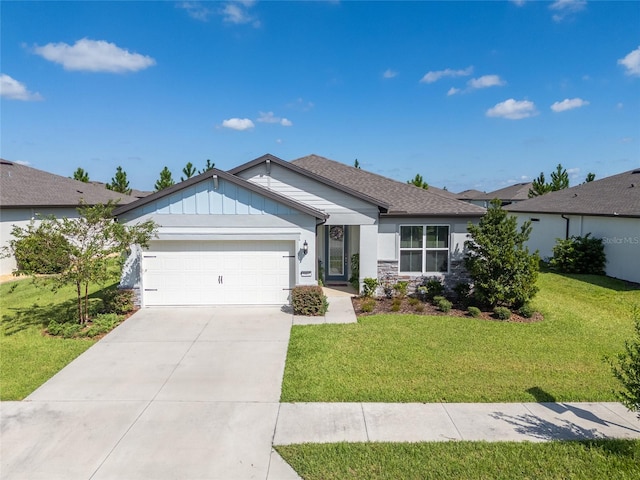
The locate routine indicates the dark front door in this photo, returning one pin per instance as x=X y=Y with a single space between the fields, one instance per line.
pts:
x=335 y=253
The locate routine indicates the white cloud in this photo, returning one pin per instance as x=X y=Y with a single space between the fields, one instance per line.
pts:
x=238 y=124
x=453 y=91
x=269 y=117
x=14 y=90
x=389 y=74
x=486 y=81
x=566 y=8
x=631 y=62
x=238 y=13
x=434 y=76
x=94 y=56
x=513 y=109
x=196 y=10
x=568 y=104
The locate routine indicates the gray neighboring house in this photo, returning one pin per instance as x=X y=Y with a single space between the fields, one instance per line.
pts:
x=249 y=235
x=26 y=193
x=507 y=195
x=608 y=208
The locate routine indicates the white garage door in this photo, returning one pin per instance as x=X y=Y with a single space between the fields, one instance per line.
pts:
x=217 y=273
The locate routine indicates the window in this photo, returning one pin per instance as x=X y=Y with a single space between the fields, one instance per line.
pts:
x=424 y=248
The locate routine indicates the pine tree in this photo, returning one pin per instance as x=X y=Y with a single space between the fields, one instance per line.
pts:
x=356 y=164
x=207 y=167
x=189 y=171
x=119 y=183
x=81 y=175
x=165 y=180
x=418 y=182
x=559 y=179
x=590 y=177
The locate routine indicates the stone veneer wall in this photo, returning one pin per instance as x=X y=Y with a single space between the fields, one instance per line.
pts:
x=388 y=272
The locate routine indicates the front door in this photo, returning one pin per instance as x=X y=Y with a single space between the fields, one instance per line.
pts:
x=335 y=253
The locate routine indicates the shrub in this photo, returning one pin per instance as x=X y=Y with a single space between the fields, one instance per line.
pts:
x=579 y=255
x=474 y=311
x=103 y=324
x=369 y=287
x=626 y=368
x=526 y=311
x=418 y=308
x=413 y=301
x=65 y=329
x=41 y=251
x=368 y=305
x=502 y=313
x=430 y=288
x=400 y=287
x=462 y=291
x=118 y=301
x=309 y=300
x=500 y=265
x=355 y=271
x=395 y=306
x=444 y=305
x=437 y=299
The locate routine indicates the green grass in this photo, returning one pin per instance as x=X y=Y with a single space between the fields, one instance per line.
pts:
x=28 y=358
x=588 y=460
x=411 y=358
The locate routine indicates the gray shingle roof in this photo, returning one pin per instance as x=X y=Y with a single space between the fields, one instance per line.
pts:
x=471 y=195
x=22 y=186
x=617 y=195
x=517 y=192
x=402 y=198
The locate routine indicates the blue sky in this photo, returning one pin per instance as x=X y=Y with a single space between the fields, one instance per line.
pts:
x=468 y=94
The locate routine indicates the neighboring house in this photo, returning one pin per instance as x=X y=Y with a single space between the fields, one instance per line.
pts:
x=26 y=193
x=608 y=208
x=508 y=195
x=249 y=235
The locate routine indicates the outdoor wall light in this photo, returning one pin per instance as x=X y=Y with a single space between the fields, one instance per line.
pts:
x=305 y=247
x=215 y=182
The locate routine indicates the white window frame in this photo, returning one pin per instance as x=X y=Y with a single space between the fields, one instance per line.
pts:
x=424 y=249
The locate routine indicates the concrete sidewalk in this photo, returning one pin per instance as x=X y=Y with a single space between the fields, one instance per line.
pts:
x=427 y=422
x=340 y=308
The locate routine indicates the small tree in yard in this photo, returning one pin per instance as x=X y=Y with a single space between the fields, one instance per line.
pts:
x=626 y=368
x=503 y=271
x=91 y=240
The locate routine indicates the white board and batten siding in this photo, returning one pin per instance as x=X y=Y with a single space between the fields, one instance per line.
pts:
x=343 y=208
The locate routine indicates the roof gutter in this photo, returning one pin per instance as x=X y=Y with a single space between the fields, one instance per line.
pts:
x=566 y=228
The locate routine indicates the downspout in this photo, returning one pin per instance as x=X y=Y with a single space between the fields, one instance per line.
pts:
x=315 y=249
x=566 y=230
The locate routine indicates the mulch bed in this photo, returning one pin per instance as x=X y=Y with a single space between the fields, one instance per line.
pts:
x=384 y=306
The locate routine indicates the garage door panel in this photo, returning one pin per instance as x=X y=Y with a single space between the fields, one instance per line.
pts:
x=213 y=273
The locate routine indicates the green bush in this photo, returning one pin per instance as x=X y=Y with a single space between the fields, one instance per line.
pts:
x=579 y=255
x=413 y=301
x=418 y=308
x=430 y=288
x=370 y=286
x=526 y=311
x=103 y=324
x=395 y=306
x=64 y=329
x=502 y=313
x=400 y=287
x=474 y=311
x=437 y=299
x=41 y=251
x=626 y=368
x=368 y=305
x=309 y=300
x=118 y=301
x=462 y=291
x=443 y=305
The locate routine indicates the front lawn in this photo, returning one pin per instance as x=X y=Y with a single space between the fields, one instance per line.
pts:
x=412 y=358
x=28 y=357
x=587 y=460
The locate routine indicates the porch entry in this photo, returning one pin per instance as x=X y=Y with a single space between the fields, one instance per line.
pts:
x=335 y=253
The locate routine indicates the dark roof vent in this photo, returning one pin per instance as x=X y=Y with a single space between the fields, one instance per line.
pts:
x=636 y=171
x=5 y=162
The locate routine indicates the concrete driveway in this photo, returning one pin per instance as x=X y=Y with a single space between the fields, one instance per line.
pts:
x=189 y=393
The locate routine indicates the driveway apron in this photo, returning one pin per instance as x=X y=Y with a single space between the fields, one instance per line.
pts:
x=188 y=393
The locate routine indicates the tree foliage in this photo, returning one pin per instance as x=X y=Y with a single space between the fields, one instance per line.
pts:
x=208 y=166
x=81 y=175
x=559 y=181
x=503 y=271
x=626 y=368
x=91 y=241
x=189 y=171
x=119 y=182
x=30 y=242
x=356 y=164
x=165 y=180
x=590 y=177
x=418 y=182
x=579 y=255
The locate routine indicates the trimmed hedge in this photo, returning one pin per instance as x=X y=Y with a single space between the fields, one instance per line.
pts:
x=309 y=300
